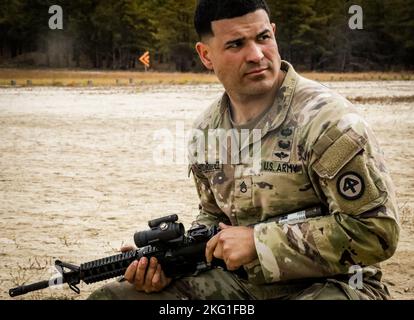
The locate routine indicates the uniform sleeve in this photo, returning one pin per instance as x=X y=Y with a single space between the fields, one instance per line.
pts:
x=347 y=171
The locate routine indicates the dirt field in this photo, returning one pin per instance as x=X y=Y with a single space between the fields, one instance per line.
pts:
x=77 y=176
x=82 y=78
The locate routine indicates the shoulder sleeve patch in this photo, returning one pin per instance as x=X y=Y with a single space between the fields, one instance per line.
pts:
x=357 y=188
x=350 y=185
x=338 y=153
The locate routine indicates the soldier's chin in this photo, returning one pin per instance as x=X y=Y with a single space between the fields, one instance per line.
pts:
x=259 y=87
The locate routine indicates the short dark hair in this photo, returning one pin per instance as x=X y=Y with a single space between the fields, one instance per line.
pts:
x=208 y=11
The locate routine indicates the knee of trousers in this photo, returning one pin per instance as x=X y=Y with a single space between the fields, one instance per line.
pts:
x=122 y=290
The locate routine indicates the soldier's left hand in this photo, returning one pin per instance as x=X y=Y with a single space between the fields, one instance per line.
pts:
x=235 y=245
x=146 y=275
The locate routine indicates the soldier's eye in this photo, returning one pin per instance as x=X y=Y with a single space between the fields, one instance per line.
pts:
x=264 y=37
x=235 y=44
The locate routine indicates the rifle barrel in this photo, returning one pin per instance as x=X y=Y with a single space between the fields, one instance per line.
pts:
x=28 y=288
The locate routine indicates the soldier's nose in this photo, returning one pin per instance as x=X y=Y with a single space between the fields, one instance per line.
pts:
x=254 y=53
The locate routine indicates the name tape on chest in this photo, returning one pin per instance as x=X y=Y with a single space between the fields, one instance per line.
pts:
x=209 y=167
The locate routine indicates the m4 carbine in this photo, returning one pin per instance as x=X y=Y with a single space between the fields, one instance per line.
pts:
x=178 y=252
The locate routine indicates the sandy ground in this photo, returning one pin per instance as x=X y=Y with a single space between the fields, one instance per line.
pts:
x=78 y=174
x=98 y=78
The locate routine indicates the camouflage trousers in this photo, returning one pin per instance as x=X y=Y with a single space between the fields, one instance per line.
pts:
x=218 y=284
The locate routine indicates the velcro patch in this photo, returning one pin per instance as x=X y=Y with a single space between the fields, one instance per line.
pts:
x=355 y=189
x=339 y=153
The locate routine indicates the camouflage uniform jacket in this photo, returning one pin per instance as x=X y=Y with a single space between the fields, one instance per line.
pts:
x=315 y=150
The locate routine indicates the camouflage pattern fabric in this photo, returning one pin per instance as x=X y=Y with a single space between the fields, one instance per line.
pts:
x=218 y=284
x=315 y=150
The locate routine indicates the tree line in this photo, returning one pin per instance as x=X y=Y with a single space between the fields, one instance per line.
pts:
x=112 y=34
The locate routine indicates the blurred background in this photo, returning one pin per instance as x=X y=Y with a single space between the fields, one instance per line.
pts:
x=111 y=34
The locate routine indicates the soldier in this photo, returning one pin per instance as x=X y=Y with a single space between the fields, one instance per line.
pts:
x=315 y=151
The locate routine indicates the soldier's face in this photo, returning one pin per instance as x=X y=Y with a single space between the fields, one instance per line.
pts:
x=243 y=54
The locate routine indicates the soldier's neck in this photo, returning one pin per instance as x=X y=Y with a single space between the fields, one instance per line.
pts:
x=246 y=108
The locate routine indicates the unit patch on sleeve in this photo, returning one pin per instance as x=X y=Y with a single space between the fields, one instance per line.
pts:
x=350 y=186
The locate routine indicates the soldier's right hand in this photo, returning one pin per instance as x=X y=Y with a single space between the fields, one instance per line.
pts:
x=146 y=275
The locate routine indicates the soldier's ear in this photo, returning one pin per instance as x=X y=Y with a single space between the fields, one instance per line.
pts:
x=203 y=51
x=274 y=29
